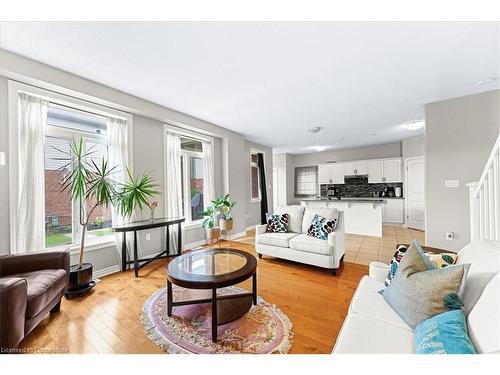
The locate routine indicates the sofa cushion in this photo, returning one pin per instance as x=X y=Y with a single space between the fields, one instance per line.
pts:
x=419 y=289
x=43 y=287
x=483 y=322
x=367 y=301
x=295 y=216
x=277 y=223
x=309 y=213
x=363 y=335
x=484 y=257
x=309 y=244
x=276 y=239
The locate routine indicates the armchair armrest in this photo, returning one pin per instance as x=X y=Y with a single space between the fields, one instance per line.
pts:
x=378 y=271
x=20 y=263
x=260 y=229
x=13 y=299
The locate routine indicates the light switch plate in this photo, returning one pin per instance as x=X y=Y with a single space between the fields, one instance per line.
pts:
x=2 y=158
x=452 y=183
x=148 y=236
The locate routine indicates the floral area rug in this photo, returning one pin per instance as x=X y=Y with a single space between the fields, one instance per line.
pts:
x=264 y=329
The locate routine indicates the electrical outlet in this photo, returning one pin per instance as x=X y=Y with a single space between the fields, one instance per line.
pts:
x=148 y=236
x=452 y=183
x=450 y=236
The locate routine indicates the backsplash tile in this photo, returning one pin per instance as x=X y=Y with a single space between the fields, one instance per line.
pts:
x=360 y=188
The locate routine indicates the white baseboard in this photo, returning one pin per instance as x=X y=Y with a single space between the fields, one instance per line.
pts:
x=234 y=236
x=106 y=271
x=194 y=245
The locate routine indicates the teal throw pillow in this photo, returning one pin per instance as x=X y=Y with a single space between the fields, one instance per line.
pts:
x=445 y=333
x=277 y=223
x=321 y=227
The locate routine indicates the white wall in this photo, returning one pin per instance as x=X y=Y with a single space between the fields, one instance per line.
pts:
x=460 y=134
x=231 y=171
x=413 y=147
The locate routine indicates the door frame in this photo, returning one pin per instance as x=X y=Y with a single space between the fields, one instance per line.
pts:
x=406 y=192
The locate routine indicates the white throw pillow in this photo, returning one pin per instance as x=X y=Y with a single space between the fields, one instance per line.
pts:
x=295 y=214
x=326 y=212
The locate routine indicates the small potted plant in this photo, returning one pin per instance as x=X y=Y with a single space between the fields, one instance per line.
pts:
x=225 y=205
x=212 y=232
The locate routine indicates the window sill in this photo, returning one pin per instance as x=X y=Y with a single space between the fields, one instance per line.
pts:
x=255 y=200
x=193 y=224
x=90 y=245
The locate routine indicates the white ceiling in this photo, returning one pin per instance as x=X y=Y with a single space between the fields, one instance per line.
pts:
x=272 y=81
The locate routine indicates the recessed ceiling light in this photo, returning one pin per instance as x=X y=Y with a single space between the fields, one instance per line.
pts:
x=414 y=125
x=315 y=130
x=319 y=148
x=486 y=81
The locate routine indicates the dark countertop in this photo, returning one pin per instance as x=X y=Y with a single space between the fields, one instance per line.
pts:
x=351 y=199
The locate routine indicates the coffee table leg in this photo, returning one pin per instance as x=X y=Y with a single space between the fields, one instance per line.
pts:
x=169 y=298
x=214 y=315
x=254 y=288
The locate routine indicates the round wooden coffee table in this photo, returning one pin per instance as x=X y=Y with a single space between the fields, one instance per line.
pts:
x=211 y=269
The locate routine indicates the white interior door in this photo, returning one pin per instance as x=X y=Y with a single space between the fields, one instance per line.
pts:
x=415 y=193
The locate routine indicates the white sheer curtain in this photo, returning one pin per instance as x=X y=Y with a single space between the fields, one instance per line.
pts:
x=174 y=182
x=208 y=173
x=30 y=223
x=117 y=156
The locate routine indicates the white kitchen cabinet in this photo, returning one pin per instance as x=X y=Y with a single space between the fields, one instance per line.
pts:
x=336 y=174
x=361 y=167
x=391 y=170
x=375 y=171
x=354 y=168
x=384 y=170
x=348 y=169
x=392 y=211
x=323 y=174
x=330 y=174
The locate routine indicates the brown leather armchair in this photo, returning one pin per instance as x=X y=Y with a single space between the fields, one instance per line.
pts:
x=31 y=286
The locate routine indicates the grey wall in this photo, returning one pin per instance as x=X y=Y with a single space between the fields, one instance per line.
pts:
x=253 y=208
x=231 y=161
x=460 y=134
x=414 y=146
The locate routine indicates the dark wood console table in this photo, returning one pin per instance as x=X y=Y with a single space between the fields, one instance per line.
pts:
x=149 y=224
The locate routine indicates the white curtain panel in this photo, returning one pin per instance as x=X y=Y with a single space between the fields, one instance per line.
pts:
x=30 y=221
x=173 y=187
x=116 y=129
x=208 y=174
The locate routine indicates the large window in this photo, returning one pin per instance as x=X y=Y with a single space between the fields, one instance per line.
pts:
x=254 y=178
x=61 y=216
x=192 y=178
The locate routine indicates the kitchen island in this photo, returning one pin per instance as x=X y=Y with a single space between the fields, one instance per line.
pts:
x=361 y=215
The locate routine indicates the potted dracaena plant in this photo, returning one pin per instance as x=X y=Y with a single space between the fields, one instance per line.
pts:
x=225 y=205
x=91 y=184
x=212 y=232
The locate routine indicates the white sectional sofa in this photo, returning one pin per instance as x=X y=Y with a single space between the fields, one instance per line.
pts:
x=372 y=326
x=297 y=245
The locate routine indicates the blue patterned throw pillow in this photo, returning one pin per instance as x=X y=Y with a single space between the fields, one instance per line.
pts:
x=445 y=333
x=277 y=223
x=321 y=227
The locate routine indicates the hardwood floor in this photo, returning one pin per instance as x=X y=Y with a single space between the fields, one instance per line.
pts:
x=107 y=320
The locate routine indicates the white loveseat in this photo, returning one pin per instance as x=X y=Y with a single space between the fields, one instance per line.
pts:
x=297 y=245
x=372 y=326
